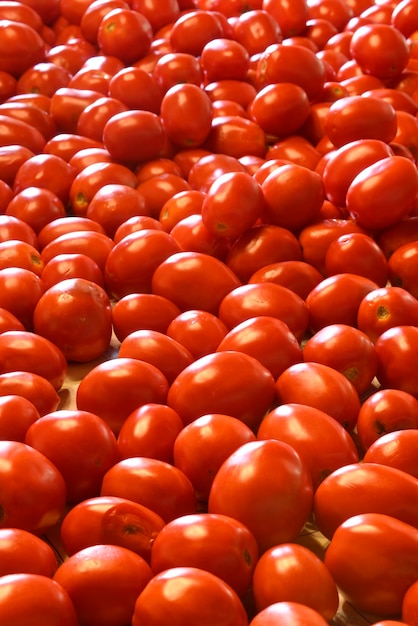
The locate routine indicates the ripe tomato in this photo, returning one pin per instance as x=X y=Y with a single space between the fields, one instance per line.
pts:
x=212 y=542
x=223 y=59
x=380 y=50
x=142 y=311
x=136 y=88
x=320 y=440
x=16 y=253
x=283 y=613
x=150 y=431
x=20 y=291
x=75 y=314
x=186 y=115
x=36 y=206
x=357 y=253
x=402 y=266
x=44 y=598
x=280 y=108
x=355 y=564
x=17 y=413
x=256 y=29
x=244 y=388
x=206 y=598
x=88 y=577
x=409 y=604
x=22 y=46
x=193 y=30
x=291 y=18
x=177 y=67
x=385 y=308
x=92 y=243
x=37 y=389
x=69 y=224
x=396 y=353
x=236 y=136
x=278 y=481
x=125 y=34
x=197 y=330
x=24 y=552
x=395 y=448
x=17 y=132
x=74 y=265
x=93 y=118
x=296 y=275
x=291 y=572
x=134 y=136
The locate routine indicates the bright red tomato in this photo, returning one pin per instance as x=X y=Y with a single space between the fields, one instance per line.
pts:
x=186 y=115
x=385 y=308
x=395 y=448
x=396 y=353
x=283 y=613
x=380 y=50
x=197 y=330
x=357 y=253
x=24 y=552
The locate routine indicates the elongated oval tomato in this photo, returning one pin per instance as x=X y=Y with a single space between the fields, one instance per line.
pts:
x=397 y=449
x=262 y=476
x=355 y=556
x=364 y=488
x=23 y=551
x=33 y=387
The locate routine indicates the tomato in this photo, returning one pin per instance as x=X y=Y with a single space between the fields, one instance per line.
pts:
x=158 y=13
x=295 y=148
x=136 y=89
x=355 y=117
x=23 y=552
x=186 y=115
x=17 y=413
x=385 y=308
x=409 y=603
x=137 y=222
x=239 y=91
x=291 y=17
x=283 y=613
x=74 y=265
x=264 y=298
x=125 y=34
x=193 y=280
x=94 y=117
x=44 y=78
x=280 y=108
x=16 y=253
x=67 y=104
x=236 y=136
x=347 y=161
x=24 y=46
x=296 y=275
x=46 y=171
x=395 y=448
x=321 y=387
x=223 y=59
x=42 y=490
x=133 y=136
x=380 y=50
x=321 y=442
x=33 y=387
x=67 y=144
x=357 y=253
x=206 y=598
x=93 y=14
x=177 y=67
x=197 y=330
x=278 y=480
x=209 y=167
x=118 y=396
x=193 y=30
x=396 y=350
x=110 y=520
x=391 y=238
x=278 y=578
x=36 y=206
x=267 y=339
x=233 y=204
x=158 y=485
x=203 y=445
x=402 y=268
x=363 y=488
x=31 y=114
x=88 y=578
x=61 y=226
x=355 y=564
x=44 y=598
x=15 y=131
x=91 y=242
x=11 y=158
x=20 y=291
x=142 y=311
x=60 y=310
x=256 y=29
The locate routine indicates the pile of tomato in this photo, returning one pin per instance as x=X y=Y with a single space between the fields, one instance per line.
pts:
x=208 y=312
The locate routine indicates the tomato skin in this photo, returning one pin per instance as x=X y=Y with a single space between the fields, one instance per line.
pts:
x=24 y=552
x=158 y=485
x=380 y=50
x=359 y=254
x=20 y=291
x=278 y=578
x=236 y=136
x=44 y=598
x=207 y=598
x=395 y=448
x=125 y=34
x=62 y=225
x=37 y=389
x=402 y=267
x=409 y=604
x=364 y=488
x=134 y=136
x=119 y=396
x=197 y=330
x=16 y=415
x=88 y=578
x=24 y=46
x=286 y=490
x=385 y=308
x=272 y=105
x=296 y=275
x=26 y=351
x=396 y=352
x=138 y=311
x=279 y=614
x=370 y=202
x=233 y=551
x=321 y=442
x=18 y=132
x=193 y=280
x=91 y=242
x=186 y=114
x=355 y=564
x=246 y=395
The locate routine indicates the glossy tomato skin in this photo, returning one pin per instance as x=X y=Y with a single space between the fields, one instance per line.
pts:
x=16 y=415
x=385 y=308
x=279 y=614
x=207 y=598
x=43 y=490
x=233 y=551
x=396 y=353
x=138 y=311
x=20 y=291
x=321 y=442
x=298 y=276
x=292 y=573
x=44 y=598
x=244 y=388
x=61 y=309
x=357 y=253
x=380 y=50
x=24 y=552
x=402 y=267
x=186 y=114
x=197 y=330
x=88 y=577
x=245 y=496
x=33 y=387
x=24 y=46
x=377 y=489
x=355 y=564
x=133 y=136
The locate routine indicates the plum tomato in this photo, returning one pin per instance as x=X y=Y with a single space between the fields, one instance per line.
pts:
x=186 y=115
x=138 y=311
x=357 y=253
x=385 y=308
x=396 y=350
x=397 y=449
x=296 y=275
x=199 y=331
x=402 y=268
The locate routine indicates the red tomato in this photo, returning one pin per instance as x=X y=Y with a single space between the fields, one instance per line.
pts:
x=94 y=117
x=88 y=577
x=40 y=500
x=280 y=108
x=23 y=552
x=45 y=77
x=110 y=520
x=192 y=235
x=36 y=206
x=158 y=485
x=355 y=564
x=136 y=89
x=17 y=132
x=291 y=18
x=209 y=167
x=385 y=308
x=292 y=573
x=22 y=46
x=75 y=314
x=17 y=413
x=59 y=433
x=206 y=598
x=278 y=481
x=177 y=67
x=138 y=311
x=197 y=330
x=16 y=253
x=31 y=114
x=203 y=445
x=256 y=29
x=355 y=117
x=267 y=339
x=11 y=158
x=347 y=350
x=193 y=280
x=321 y=387
x=74 y=265
x=296 y=149
x=147 y=249
x=22 y=350
x=137 y=222
x=93 y=14
x=283 y=613
x=233 y=203
x=380 y=50
x=67 y=104
x=244 y=388
x=20 y=291
x=186 y=115
x=92 y=243
x=69 y=224
x=134 y=136
x=37 y=389
x=44 y=598
x=383 y=193
x=125 y=34
x=125 y=384
x=223 y=59
x=211 y=542
x=396 y=353
x=150 y=431
x=402 y=266
x=265 y=298
x=409 y=604
x=296 y=275
x=193 y=30
x=364 y=488
x=162 y=351
x=357 y=253
x=395 y=448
